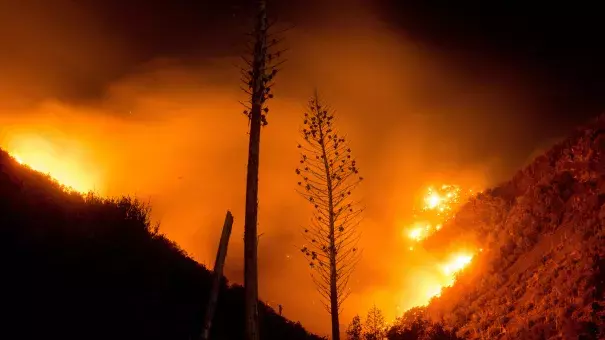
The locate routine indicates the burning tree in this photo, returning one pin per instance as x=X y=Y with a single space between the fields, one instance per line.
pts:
x=258 y=80
x=328 y=174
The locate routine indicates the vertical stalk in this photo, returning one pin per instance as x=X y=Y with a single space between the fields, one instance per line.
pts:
x=251 y=214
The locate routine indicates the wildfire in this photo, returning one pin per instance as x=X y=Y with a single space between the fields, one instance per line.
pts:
x=419 y=231
x=432 y=285
x=442 y=200
x=43 y=156
x=456 y=263
x=439 y=205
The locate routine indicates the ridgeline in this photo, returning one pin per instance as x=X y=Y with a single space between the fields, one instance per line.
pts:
x=542 y=269
x=84 y=267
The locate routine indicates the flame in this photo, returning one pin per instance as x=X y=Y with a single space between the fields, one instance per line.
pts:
x=60 y=164
x=420 y=230
x=456 y=263
x=443 y=200
x=439 y=205
x=430 y=284
x=433 y=200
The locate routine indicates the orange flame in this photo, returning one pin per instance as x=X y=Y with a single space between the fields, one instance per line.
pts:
x=443 y=200
x=439 y=205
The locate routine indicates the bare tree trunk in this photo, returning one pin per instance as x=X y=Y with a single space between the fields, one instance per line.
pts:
x=251 y=216
x=219 y=264
x=334 y=298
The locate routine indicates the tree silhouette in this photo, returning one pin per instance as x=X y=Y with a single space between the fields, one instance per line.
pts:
x=355 y=329
x=257 y=78
x=328 y=174
x=375 y=325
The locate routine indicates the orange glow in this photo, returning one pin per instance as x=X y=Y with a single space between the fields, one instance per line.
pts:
x=429 y=283
x=420 y=230
x=439 y=205
x=46 y=157
x=417 y=233
x=433 y=201
x=456 y=263
x=433 y=291
x=171 y=133
x=442 y=200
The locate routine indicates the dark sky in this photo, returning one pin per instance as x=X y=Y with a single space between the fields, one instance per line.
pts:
x=560 y=47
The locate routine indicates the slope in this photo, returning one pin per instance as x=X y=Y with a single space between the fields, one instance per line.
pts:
x=541 y=274
x=84 y=267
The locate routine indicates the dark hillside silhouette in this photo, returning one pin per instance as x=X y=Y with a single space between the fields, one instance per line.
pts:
x=85 y=267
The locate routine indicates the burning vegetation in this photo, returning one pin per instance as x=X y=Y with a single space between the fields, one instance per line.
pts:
x=439 y=205
x=542 y=275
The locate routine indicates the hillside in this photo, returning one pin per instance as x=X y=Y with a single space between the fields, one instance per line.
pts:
x=78 y=267
x=542 y=269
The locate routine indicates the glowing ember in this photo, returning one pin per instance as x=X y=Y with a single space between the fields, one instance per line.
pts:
x=415 y=234
x=433 y=201
x=442 y=200
x=439 y=206
x=419 y=231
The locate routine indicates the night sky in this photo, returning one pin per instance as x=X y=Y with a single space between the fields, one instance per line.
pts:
x=561 y=47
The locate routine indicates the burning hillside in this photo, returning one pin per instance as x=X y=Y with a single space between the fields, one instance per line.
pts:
x=438 y=206
x=542 y=272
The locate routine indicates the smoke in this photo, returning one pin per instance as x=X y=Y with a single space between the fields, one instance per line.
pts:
x=171 y=130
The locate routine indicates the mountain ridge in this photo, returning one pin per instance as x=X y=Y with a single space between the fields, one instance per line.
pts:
x=541 y=272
